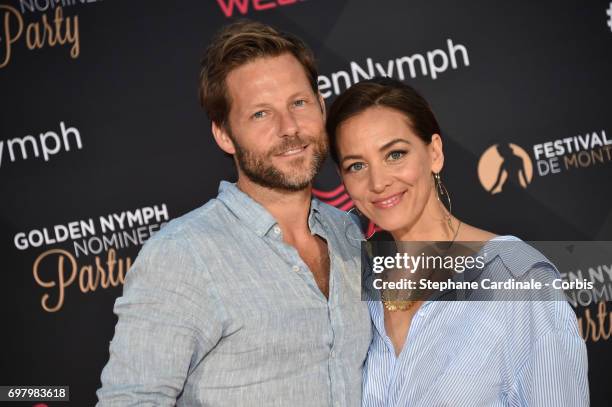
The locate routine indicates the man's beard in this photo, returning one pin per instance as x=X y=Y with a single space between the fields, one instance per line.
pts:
x=259 y=168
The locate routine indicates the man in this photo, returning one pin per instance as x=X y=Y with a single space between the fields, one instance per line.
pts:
x=254 y=298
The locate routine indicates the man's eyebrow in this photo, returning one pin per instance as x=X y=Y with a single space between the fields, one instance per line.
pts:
x=299 y=93
x=258 y=105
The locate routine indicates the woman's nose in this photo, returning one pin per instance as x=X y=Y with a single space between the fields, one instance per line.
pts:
x=379 y=179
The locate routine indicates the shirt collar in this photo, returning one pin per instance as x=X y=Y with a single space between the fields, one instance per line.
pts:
x=518 y=256
x=252 y=214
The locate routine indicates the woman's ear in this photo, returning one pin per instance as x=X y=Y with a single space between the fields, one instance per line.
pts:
x=436 y=153
x=222 y=138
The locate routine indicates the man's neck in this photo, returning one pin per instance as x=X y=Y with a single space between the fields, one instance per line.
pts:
x=289 y=208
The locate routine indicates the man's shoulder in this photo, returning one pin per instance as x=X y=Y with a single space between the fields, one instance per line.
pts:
x=207 y=221
x=343 y=228
x=332 y=213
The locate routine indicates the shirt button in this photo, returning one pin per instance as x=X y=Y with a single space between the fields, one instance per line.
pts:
x=276 y=229
x=295 y=268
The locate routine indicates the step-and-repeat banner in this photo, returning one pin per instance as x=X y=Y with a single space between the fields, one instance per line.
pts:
x=102 y=141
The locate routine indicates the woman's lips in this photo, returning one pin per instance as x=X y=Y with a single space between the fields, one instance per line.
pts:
x=388 y=202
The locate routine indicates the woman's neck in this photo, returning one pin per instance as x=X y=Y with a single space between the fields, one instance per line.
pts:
x=431 y=225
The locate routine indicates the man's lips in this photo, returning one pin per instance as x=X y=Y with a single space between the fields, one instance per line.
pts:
x=295 y=150
x=388 y=201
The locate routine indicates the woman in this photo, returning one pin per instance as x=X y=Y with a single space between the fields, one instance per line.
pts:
x=387 y=145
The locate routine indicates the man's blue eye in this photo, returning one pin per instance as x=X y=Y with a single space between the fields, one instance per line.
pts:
x=300 y=102
x=355 y=167
x=259 y=115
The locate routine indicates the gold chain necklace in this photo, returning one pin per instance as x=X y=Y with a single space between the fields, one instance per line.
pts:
x=405 y=305
x=397 y=305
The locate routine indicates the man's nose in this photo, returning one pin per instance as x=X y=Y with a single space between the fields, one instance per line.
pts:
x=288 y=124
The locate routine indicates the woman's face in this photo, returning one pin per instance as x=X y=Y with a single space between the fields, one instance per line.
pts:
x=386 y=168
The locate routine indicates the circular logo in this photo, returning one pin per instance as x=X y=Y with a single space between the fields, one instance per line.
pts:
x=502 y=163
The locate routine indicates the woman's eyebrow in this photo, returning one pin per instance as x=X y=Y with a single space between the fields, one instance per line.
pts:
x=351 y=157
x=392 y=142
x=382 y=148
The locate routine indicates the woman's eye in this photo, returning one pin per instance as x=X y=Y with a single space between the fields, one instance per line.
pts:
x=355 y=167
x=396 y=155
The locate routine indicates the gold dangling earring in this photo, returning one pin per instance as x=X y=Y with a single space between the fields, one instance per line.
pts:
x=442 y=191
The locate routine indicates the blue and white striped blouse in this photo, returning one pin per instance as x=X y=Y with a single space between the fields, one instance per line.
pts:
x=482 y=353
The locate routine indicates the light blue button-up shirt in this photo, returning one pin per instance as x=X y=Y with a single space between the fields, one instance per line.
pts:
x=218 y=311
x=483 y=353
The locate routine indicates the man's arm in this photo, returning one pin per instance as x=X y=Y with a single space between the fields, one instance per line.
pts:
x=159 y=337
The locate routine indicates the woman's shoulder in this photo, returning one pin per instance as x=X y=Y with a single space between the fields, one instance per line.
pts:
x=509 y=257
x=469 y=233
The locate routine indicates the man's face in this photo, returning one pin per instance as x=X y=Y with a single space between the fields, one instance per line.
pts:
x=276 y=123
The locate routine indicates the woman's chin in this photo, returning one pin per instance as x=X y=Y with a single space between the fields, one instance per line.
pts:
x=390 y=225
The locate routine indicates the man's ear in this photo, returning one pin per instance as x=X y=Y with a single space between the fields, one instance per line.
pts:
x=337 y=167
x=436 y=153
x=321 y=103
x=222 y=138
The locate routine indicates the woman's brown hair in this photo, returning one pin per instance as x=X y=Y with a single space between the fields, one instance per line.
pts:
x=381 y=92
